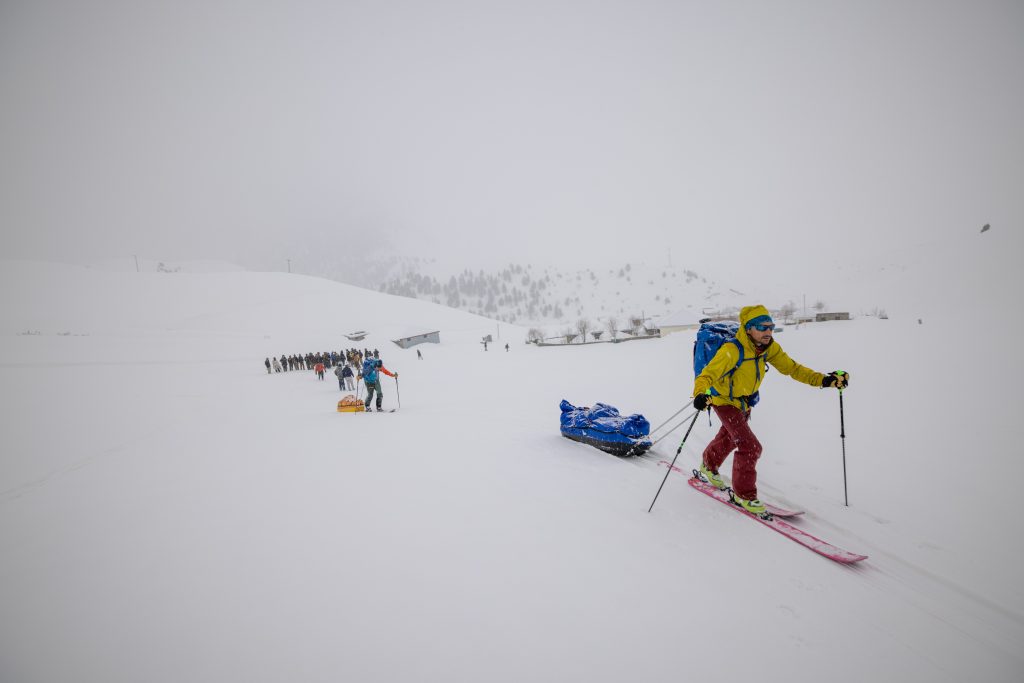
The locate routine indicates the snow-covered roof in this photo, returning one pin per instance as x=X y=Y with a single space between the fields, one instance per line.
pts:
x=680 y=318
x=418 y=333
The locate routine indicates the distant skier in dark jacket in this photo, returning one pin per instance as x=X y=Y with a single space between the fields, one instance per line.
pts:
x=266 y=361
x=372 y=381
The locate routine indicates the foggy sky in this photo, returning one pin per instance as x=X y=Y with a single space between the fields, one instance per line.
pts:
x=734 y=133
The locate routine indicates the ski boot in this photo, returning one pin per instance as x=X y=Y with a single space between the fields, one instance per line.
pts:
x=753 y=506
x=709 y=477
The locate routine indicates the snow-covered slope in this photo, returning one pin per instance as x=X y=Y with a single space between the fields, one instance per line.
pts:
x=556 y=297
x=264 y=313
x=170 y=512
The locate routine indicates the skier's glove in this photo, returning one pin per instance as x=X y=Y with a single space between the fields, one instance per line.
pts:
x=702 y=401
x=837 y=379
x=396 y=375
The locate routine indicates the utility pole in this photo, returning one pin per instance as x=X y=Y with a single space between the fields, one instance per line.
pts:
x=289 y=264
x=136 y=262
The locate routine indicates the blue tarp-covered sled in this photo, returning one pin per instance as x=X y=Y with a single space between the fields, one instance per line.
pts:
x=602 y=427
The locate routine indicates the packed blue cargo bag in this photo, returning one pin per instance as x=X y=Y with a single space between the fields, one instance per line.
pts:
x=603 y=427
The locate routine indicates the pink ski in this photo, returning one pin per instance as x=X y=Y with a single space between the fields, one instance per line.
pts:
x=774 y=509
x=786 y=529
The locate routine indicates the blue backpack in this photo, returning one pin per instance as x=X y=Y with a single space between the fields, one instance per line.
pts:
x=370 y=370
x=710 y=338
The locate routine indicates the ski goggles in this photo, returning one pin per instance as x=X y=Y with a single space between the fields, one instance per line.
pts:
x=762 y=323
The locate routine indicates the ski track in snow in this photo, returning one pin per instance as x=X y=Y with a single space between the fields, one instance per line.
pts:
x=1000 y=631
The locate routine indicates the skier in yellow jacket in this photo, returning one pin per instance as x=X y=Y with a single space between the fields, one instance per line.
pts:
x=728 y=394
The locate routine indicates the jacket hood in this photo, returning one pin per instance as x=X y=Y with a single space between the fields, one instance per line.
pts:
x=748 y=313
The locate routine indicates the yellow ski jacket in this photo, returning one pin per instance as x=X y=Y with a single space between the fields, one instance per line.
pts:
x=748 y=377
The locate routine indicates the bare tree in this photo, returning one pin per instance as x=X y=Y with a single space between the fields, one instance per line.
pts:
x=583 y=326
x=534 y=335
x=636 y=323
x=788 y=310
x=612 y=325
x=819 y=305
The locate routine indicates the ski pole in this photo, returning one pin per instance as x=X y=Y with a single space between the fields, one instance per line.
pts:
x=842 y=436
x=678 y=450
x=398 y=395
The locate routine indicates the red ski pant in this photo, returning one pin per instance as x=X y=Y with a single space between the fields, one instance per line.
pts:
x=735 y=434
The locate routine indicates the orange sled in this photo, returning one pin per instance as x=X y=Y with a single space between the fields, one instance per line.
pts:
x=350 y=404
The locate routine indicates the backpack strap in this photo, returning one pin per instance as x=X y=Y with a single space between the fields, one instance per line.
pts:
x=757 y=369
x=739 y=346
x=730 y=373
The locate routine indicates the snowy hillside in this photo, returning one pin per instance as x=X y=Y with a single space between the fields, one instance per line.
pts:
x=170 y=512
x=549 y=297
x=555 y=298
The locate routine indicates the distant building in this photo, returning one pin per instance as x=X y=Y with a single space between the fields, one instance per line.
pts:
x=407 y=342
x=683 y=319
x=719 y=316
x=821 y=317
x=356 y=336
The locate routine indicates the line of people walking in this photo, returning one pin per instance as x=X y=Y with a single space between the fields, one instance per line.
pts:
x=350 y=366
x=309 y=361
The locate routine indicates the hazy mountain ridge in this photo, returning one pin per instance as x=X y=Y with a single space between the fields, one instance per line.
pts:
x=548 y=298
x=555 y=299
x=546 y=295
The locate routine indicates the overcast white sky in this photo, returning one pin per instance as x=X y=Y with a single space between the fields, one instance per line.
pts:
x=729 y=132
